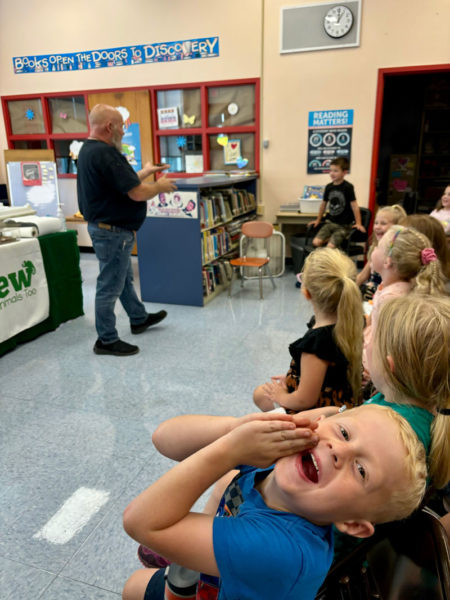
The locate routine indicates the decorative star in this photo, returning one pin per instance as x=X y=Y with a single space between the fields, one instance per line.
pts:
x=29 y=114
x=181 y=141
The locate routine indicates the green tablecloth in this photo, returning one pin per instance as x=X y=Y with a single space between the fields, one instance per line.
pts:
x=61 y=258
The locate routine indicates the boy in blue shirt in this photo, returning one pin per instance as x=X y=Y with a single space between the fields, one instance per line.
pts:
x=276 y=539
x=343 y=208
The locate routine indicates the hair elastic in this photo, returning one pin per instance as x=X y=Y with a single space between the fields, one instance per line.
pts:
x=444 y=411
x=394 y=237
x=427 y=255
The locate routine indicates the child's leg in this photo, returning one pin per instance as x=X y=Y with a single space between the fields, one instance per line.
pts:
x=339 y=235
x=261 y=400
x=136 y=585
x=323 y=235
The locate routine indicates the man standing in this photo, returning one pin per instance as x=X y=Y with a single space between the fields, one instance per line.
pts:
x=112 y=198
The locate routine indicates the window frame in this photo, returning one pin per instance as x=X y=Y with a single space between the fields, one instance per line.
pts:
x=204 y=131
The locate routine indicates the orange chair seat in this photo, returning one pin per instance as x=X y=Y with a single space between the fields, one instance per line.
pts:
x=251 y=261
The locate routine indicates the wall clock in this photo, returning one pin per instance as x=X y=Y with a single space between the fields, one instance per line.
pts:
x=320 y=26
x=338 y=21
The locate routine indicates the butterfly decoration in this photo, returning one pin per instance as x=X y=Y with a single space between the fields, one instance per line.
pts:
x=29 y=114
x=222 y=139
x=188 y=120
x=181 y=141
x=63 y=115
x=241 y=162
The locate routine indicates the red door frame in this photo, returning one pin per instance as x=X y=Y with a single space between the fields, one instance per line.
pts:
x=382 y=75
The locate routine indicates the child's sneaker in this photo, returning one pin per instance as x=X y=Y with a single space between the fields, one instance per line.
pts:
x=150 y=559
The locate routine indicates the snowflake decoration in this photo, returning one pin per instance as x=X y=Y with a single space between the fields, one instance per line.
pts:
x=181 y=141
x=29 y=114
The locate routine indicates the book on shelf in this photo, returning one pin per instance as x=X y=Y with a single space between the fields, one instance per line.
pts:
x=313 y=192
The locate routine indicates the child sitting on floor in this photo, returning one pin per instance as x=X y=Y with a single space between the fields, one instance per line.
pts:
x=272 y=536
x=367 y=279
x=405 y=260
x=325 y=369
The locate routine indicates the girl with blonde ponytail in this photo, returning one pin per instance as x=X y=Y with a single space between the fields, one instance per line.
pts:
x=325 y=368
x=406 y=261
x=410 y=365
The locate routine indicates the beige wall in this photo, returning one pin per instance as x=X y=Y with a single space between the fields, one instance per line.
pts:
x=50 y=26
x=393 y=34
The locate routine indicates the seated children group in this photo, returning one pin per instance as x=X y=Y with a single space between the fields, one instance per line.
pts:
x=300 y=472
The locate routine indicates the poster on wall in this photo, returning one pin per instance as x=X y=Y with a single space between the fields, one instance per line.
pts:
x=329 y=136
x=131 y=146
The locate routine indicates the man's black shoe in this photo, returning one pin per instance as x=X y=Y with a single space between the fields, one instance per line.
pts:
x=117 y=348
x=152 y=319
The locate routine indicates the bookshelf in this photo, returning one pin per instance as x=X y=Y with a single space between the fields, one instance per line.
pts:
x=184 y=259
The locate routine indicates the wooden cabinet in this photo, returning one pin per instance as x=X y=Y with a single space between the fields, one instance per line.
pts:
x=183 y=259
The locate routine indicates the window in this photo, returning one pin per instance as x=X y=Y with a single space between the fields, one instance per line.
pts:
x=207 y=126
x=194 y=127
x=50 y=121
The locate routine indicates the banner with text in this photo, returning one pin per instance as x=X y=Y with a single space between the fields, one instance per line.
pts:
x=329 y=136
x=24 y=299
x=118 y=57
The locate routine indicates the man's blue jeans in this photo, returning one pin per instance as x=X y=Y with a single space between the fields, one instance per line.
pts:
x=115 y=280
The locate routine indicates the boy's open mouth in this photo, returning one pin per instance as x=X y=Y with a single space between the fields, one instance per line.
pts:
x=310 y=467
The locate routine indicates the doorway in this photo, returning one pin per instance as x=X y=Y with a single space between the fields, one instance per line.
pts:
x=411 y=150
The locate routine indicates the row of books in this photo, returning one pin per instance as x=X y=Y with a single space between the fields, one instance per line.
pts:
x=216 y=274
x=215 y=243
x=223 y=205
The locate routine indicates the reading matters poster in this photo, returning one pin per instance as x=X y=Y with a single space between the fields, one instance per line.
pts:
x=329 y=136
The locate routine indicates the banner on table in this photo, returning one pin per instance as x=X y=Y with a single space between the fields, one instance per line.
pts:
x=118 y=57
x=24 y=299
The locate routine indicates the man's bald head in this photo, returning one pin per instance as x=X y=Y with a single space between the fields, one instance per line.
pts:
x=105 y=124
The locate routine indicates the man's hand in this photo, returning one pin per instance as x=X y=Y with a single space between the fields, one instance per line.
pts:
x=165 y=185
x=150 y=169
x=360 y=228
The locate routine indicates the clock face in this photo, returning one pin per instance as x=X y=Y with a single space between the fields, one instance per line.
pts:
x=338 y=21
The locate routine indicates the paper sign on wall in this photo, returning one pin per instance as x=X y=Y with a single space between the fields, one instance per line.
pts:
x=329 y=136
x=168 y=117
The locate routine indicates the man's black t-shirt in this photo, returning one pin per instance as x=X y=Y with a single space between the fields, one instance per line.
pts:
x=339 y=198
x=103 y=180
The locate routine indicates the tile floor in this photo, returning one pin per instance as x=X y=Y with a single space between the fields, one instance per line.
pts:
x=72 y=422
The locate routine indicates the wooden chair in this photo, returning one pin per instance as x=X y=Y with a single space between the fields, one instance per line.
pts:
x=252 y=230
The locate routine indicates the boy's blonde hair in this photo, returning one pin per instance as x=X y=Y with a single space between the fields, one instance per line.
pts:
x=414 y=331
x=329 y=276
x=404 y=246
x=410 y=492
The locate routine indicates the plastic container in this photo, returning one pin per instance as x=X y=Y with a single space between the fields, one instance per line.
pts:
x=310 y=205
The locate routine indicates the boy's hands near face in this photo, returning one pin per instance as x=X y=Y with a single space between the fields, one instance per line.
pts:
x=261 y=441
